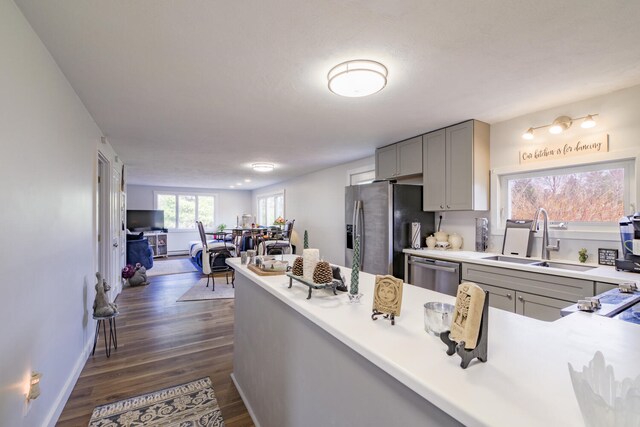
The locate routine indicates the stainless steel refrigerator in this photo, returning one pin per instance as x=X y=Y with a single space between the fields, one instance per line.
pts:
x=381 y=213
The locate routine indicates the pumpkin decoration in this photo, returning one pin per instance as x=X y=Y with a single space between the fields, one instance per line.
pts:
x=297 y=270
x=323 y=273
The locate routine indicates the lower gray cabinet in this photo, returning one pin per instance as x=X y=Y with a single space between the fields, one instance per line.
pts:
x=539 y=307
x=504 y=299
x=604 y=287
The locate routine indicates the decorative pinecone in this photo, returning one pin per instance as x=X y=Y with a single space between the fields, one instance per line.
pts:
x=323 y=273
x=297 y=269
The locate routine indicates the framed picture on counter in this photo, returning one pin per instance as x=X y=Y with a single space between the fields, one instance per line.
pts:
x=607 y=256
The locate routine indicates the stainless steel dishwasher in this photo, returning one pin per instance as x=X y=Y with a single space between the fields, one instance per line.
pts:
x=433 y=274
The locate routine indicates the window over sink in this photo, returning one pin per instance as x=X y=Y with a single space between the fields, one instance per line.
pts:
x=587 y=197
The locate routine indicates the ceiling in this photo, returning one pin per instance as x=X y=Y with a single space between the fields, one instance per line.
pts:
x=189 y=93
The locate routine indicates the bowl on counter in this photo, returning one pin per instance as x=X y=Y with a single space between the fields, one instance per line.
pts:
x=437 y=317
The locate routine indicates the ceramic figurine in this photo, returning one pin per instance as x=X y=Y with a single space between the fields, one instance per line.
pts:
x=441 y=236
x=431 y=242
x=455 y=241
x=101 y=305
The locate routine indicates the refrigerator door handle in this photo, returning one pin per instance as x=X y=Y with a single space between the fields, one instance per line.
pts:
x=360 y=219
x=354 y=220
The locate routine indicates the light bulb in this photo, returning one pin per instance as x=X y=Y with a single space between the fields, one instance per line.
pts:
x=588 y=122
x=528 y=134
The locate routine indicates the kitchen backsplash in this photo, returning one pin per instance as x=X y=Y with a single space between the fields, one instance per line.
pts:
x=463 y=223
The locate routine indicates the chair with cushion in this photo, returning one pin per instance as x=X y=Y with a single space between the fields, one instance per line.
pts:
x=279 y=246
x=214 y=258
x=139 y=251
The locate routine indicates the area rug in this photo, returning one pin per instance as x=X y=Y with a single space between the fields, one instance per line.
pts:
x=200 y=291
x=186 y=405
x=171 y=266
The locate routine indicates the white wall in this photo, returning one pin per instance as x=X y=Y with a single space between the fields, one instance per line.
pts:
x=47 y=171
x=618 y=117
x=230 y=204
x=316 y=202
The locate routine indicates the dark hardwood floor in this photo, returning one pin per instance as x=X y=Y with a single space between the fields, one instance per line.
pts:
x=161 y=343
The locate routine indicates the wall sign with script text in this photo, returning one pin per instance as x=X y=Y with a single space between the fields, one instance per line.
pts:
x=592 y=144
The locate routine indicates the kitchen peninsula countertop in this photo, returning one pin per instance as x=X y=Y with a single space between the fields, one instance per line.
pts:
x=525 y=381
x=601 y=273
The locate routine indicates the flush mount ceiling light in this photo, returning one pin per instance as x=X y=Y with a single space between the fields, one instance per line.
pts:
x=262 y=167
x=562 y=123
x=360 y=77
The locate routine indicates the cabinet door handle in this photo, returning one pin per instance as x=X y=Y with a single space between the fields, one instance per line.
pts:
x=448 y=207
x=509 y=296
x=520 y=299
x=441 y=206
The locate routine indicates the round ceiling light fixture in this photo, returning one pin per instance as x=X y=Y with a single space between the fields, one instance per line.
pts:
x=262 y=167
x=360 y=77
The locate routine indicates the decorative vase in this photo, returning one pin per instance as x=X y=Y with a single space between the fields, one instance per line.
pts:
x=441 y=236
x=455 y=241
x=431 y=242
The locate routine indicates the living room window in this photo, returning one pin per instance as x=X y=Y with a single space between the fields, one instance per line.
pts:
x=583 y=196
x=270 y=207
x=182 y=210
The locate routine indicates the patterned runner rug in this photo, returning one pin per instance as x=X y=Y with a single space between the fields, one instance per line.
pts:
x=186 y=405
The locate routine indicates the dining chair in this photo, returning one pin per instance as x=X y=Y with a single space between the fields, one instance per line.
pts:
x=214 y=259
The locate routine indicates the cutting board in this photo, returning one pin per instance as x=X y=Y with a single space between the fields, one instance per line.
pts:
x=517 y=238
x=261 y=272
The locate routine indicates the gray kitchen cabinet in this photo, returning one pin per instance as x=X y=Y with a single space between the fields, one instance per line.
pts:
x=400 y=159
x=536 y=295
x=539 y=307
x=504 y=299
x=456 y=168
x=604 y=287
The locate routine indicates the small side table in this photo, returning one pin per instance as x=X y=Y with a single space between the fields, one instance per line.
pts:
x=113 y=334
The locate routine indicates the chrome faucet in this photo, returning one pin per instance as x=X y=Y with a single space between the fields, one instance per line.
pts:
x=546 y=247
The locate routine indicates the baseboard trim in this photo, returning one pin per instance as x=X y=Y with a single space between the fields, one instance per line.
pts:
x=64 y=394
x=244 y=399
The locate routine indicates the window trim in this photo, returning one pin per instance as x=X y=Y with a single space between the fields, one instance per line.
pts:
x=579 y=231
x=362 y=169
x=273 y=193
x=186 y=193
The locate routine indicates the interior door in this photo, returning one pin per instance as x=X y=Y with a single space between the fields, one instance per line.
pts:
x=115 y=232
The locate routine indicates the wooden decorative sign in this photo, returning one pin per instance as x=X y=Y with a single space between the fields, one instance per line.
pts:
x=467 y=314
x=387 y=297
x=592 y=144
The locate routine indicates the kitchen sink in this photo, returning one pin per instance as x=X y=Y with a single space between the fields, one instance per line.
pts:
x=562 y=266
x=511 y=259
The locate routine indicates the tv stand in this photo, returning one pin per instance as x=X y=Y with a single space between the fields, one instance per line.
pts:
x=158 y=242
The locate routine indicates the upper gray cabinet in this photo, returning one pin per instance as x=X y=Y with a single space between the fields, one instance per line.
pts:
x=400 y=159
x=456 y=168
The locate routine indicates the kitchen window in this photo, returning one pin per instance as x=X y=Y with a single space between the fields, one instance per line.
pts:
x=582 y=196
x=270 y=207
x=182 y=210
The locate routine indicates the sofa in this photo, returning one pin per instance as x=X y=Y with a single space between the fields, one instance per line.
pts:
x=139 y=251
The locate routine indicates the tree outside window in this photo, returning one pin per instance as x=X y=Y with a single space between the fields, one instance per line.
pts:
x=181 y=211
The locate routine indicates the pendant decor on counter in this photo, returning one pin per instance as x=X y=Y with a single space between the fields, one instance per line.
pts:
x=310 y=258
x=387 y=298
x=470 y=326
x=306 y=240
x=415 y=235
x=354 y=294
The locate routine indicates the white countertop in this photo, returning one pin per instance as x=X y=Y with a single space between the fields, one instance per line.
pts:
x=602 y=273
x=525 y=381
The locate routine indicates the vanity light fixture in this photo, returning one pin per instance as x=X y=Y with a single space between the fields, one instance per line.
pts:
x=262 y=167
x=356 y=78
x=562 y=123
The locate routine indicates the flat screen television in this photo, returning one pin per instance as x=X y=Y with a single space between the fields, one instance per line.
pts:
x=145 y=220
